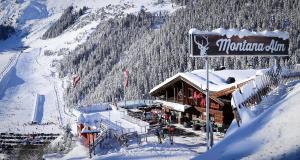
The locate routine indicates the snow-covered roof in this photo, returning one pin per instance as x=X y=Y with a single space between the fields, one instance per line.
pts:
x=89 y=119
x=94 y=108
x=174 y=106
x=217 y=79
x=241 y=33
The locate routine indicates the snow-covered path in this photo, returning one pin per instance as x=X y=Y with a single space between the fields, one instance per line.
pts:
x=5 y=59
x=30 y=76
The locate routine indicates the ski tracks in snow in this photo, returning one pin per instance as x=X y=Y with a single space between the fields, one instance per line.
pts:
x=53 y=84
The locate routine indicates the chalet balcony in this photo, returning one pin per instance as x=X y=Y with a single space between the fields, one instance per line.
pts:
x=188 y=101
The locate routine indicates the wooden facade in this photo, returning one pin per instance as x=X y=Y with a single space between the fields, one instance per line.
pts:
x=183 y=92
x=88 y=138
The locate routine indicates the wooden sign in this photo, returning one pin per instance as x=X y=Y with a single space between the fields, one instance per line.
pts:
x=218 y=45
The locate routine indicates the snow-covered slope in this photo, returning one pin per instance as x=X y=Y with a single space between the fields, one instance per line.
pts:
x=136 y=5
x=28 y=78
x=5 y=59
x=274 y=134
x=35 y=73
x=20 y=11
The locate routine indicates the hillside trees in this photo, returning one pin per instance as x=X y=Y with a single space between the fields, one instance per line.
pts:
x=151 y=55
x=67 y=19
x=6 y=31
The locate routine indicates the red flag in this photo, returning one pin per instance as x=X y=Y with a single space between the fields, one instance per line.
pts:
x=76 y=80
x=196 y=95
x=126 y=78
x=203 y=102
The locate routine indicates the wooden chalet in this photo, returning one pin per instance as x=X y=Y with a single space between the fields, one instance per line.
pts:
x=87 y=130
x=184 y=93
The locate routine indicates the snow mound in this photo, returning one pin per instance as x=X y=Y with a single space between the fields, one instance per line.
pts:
x=94 y=108
x=270 y=135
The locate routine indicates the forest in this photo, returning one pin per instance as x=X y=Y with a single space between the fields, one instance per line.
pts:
x=6 y=31
x=152 y=54
x=67 y=19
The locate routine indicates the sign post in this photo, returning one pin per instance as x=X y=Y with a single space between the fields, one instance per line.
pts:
x=207 y=106
x=222 y=42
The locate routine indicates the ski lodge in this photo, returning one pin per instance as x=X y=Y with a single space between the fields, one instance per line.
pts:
x=184 y=95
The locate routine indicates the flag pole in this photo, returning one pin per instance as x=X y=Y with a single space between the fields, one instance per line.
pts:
x=125 y=85
x=125 y=95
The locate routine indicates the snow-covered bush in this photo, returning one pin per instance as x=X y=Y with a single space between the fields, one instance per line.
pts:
x=62 y=144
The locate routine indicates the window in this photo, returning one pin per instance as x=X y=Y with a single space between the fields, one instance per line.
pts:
x=190 y=93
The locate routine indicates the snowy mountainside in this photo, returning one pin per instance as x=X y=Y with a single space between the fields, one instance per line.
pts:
x=35 y=71
x=160 y=53
x=15 y=12
x=18 y=12
x=98 y=11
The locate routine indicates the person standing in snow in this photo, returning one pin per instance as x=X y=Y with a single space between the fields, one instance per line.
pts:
x=158 y=134
x=171 y=130
x=159 y=119
x=237 y=116
x=144 y=114
x=167 y=118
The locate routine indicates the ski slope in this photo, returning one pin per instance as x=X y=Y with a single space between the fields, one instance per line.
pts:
x=274 y=134
x=31 y=76
x=35 y=73
x=6 y=58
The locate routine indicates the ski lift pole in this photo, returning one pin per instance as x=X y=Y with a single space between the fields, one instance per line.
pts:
x=207 y=104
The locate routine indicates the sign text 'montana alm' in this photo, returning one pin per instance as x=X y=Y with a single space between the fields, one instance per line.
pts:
x=217 y=45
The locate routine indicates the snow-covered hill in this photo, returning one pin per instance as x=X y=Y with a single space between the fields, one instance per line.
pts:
x=274 y=134
x=34 y=72
x=20 y=11
x=269 y=135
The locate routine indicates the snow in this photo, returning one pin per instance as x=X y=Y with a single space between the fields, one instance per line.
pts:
x=33 y=10
x=35 y=73
x=24 y=11
x=217 y=79
x=37 y=114
x=135 y=103
x=241 y=33
x=28 y=78
x=113 y=119
x=184 y=148
x=68 y=40
x=248 y=90
x=3 y=156
x=136 y=5
x=7 y=67
x=5 y=60
x=31 y=74
x=94 y=108
x=270 y=135
x=34 y=93
x=174 y=106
